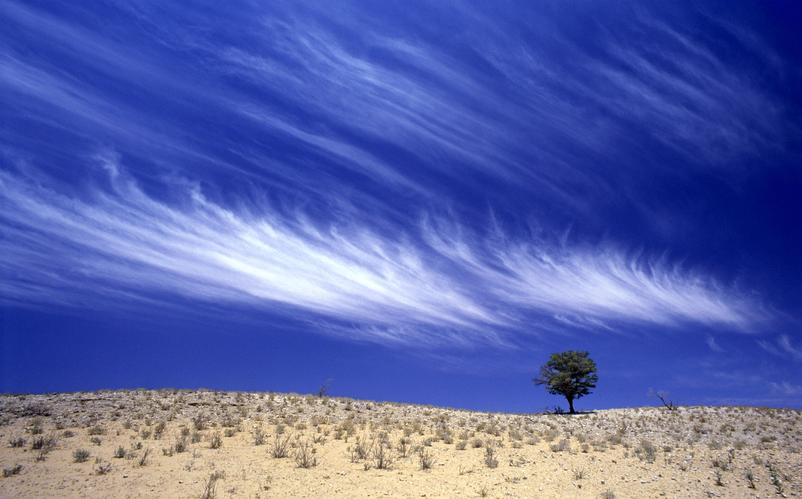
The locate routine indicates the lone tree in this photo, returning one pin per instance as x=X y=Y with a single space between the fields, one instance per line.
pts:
x=571 y=374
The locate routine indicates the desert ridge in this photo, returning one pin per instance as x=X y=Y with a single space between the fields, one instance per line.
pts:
x=193 y=444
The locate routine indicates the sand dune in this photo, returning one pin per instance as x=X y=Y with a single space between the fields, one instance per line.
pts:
x=172 y=443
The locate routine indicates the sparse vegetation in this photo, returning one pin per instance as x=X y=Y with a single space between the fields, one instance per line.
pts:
x=16 y=442
x=216 y=441
x=80 y=455
x=425 y=459
x=725 y=451
x=258 y=436
x=143 y=459
x=305 y=455
x=646 y=451
x=382 y=456
x=103 y=468
x=490 y=457
x=14 y=470
x=280 y=447
x=210 y=489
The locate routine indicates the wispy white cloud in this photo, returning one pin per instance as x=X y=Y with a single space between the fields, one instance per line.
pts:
x=598 y=282
x=783 y=346
x=786 y=388
x=407 y=287
x=713 y=345
x=339 y=127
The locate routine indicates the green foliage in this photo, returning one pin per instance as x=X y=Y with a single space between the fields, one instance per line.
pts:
x=571 y=374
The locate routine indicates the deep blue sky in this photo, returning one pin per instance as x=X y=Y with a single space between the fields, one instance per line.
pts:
x=417 y=200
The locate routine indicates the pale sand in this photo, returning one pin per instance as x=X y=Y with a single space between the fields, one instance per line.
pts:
x=602 y=453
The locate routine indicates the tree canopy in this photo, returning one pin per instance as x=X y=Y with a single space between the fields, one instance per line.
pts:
x=571 y=374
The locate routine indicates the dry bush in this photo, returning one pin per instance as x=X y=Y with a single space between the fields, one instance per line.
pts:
x=382 y=456
x=103 y=468
x=404 y=446
x=361 y=449
x=96 y=430
x=490 y=457
x=14 y=470
x=158 y=430
x=210 y=489
x=562 y=446
x=216 y=441
x=143 y=460
x=646 y=451
x=280 y=447
x=80 y=455
x=425 y=459
x=305 y=455
x=258 y=436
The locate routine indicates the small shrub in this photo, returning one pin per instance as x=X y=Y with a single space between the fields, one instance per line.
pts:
x=774 y=474
x=404 y=446
x=120 y=452
x=562 y=446
x=180 y=445
x=425 y=459
x=258 y=436
x=199 y=422
x=750 y=477
x=80 y=455
x=305 y=455
x=550 y=435
x=96 y=430
x=36 y=427
x=14 y=470
x=216 y=441
x=382 y=459
x=280 y=447
x=646 y=451
x=16 y=442
x=158 y=430
x=143 y=460
x=360 y=450
x=43 y=443
x=210 y=490
x=96 y=440
x=490 y=457
x=103 y=468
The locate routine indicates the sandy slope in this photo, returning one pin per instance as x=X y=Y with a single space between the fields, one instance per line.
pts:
x=616 y=453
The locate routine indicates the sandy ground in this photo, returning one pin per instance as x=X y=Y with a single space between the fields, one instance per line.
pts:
x=165 y=444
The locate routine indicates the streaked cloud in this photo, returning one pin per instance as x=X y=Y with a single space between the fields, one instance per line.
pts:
x=782 y=346
x=396 y=287
x=345 y=171
x=786 y=388
x=713 y=345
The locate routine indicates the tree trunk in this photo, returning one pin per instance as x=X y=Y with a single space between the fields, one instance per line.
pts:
x=570 y=405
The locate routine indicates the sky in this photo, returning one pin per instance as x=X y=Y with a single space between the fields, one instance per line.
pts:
x=412 y=201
